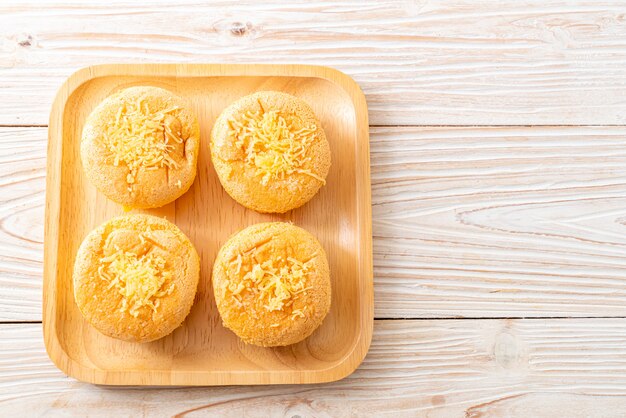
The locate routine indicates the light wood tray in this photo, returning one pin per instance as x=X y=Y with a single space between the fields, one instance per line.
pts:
x=202 y=351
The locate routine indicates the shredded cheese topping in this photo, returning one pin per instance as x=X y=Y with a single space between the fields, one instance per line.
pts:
x=141 y=280
x=272 y=144
x=140 y=138
x=277 y=282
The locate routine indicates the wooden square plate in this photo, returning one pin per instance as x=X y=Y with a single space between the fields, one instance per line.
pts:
x=202 y=351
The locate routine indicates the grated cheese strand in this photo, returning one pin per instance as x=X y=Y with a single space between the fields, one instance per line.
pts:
x=139 y=279
x=297 y=313
x=272 y=145
x=140 y=139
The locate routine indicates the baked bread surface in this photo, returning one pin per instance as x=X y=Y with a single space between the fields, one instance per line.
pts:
x=270 y=152
x=140 y=147
x=135 y=277
x=272 y=284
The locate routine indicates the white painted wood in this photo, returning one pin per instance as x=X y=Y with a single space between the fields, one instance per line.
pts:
x=499 y=221
x=420 y=62
x=440 y=368
x=474 y=222
x=22 y=185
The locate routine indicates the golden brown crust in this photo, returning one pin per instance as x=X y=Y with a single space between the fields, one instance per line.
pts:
x=148 y=188
x=243 y=181
x=101 y=302
x=245 y=310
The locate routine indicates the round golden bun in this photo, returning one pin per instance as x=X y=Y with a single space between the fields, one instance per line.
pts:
x=135 y=277
x=140 y=147
x=272 y=284
x=270 y=152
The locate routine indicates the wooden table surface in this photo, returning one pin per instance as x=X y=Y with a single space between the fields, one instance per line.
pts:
x=498 y=149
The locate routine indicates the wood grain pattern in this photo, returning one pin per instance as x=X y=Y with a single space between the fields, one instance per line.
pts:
x=202 y=351
x=22 y=185
x=440 y=368
x=420 y=62
x=475 y=222
x=499 y=221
